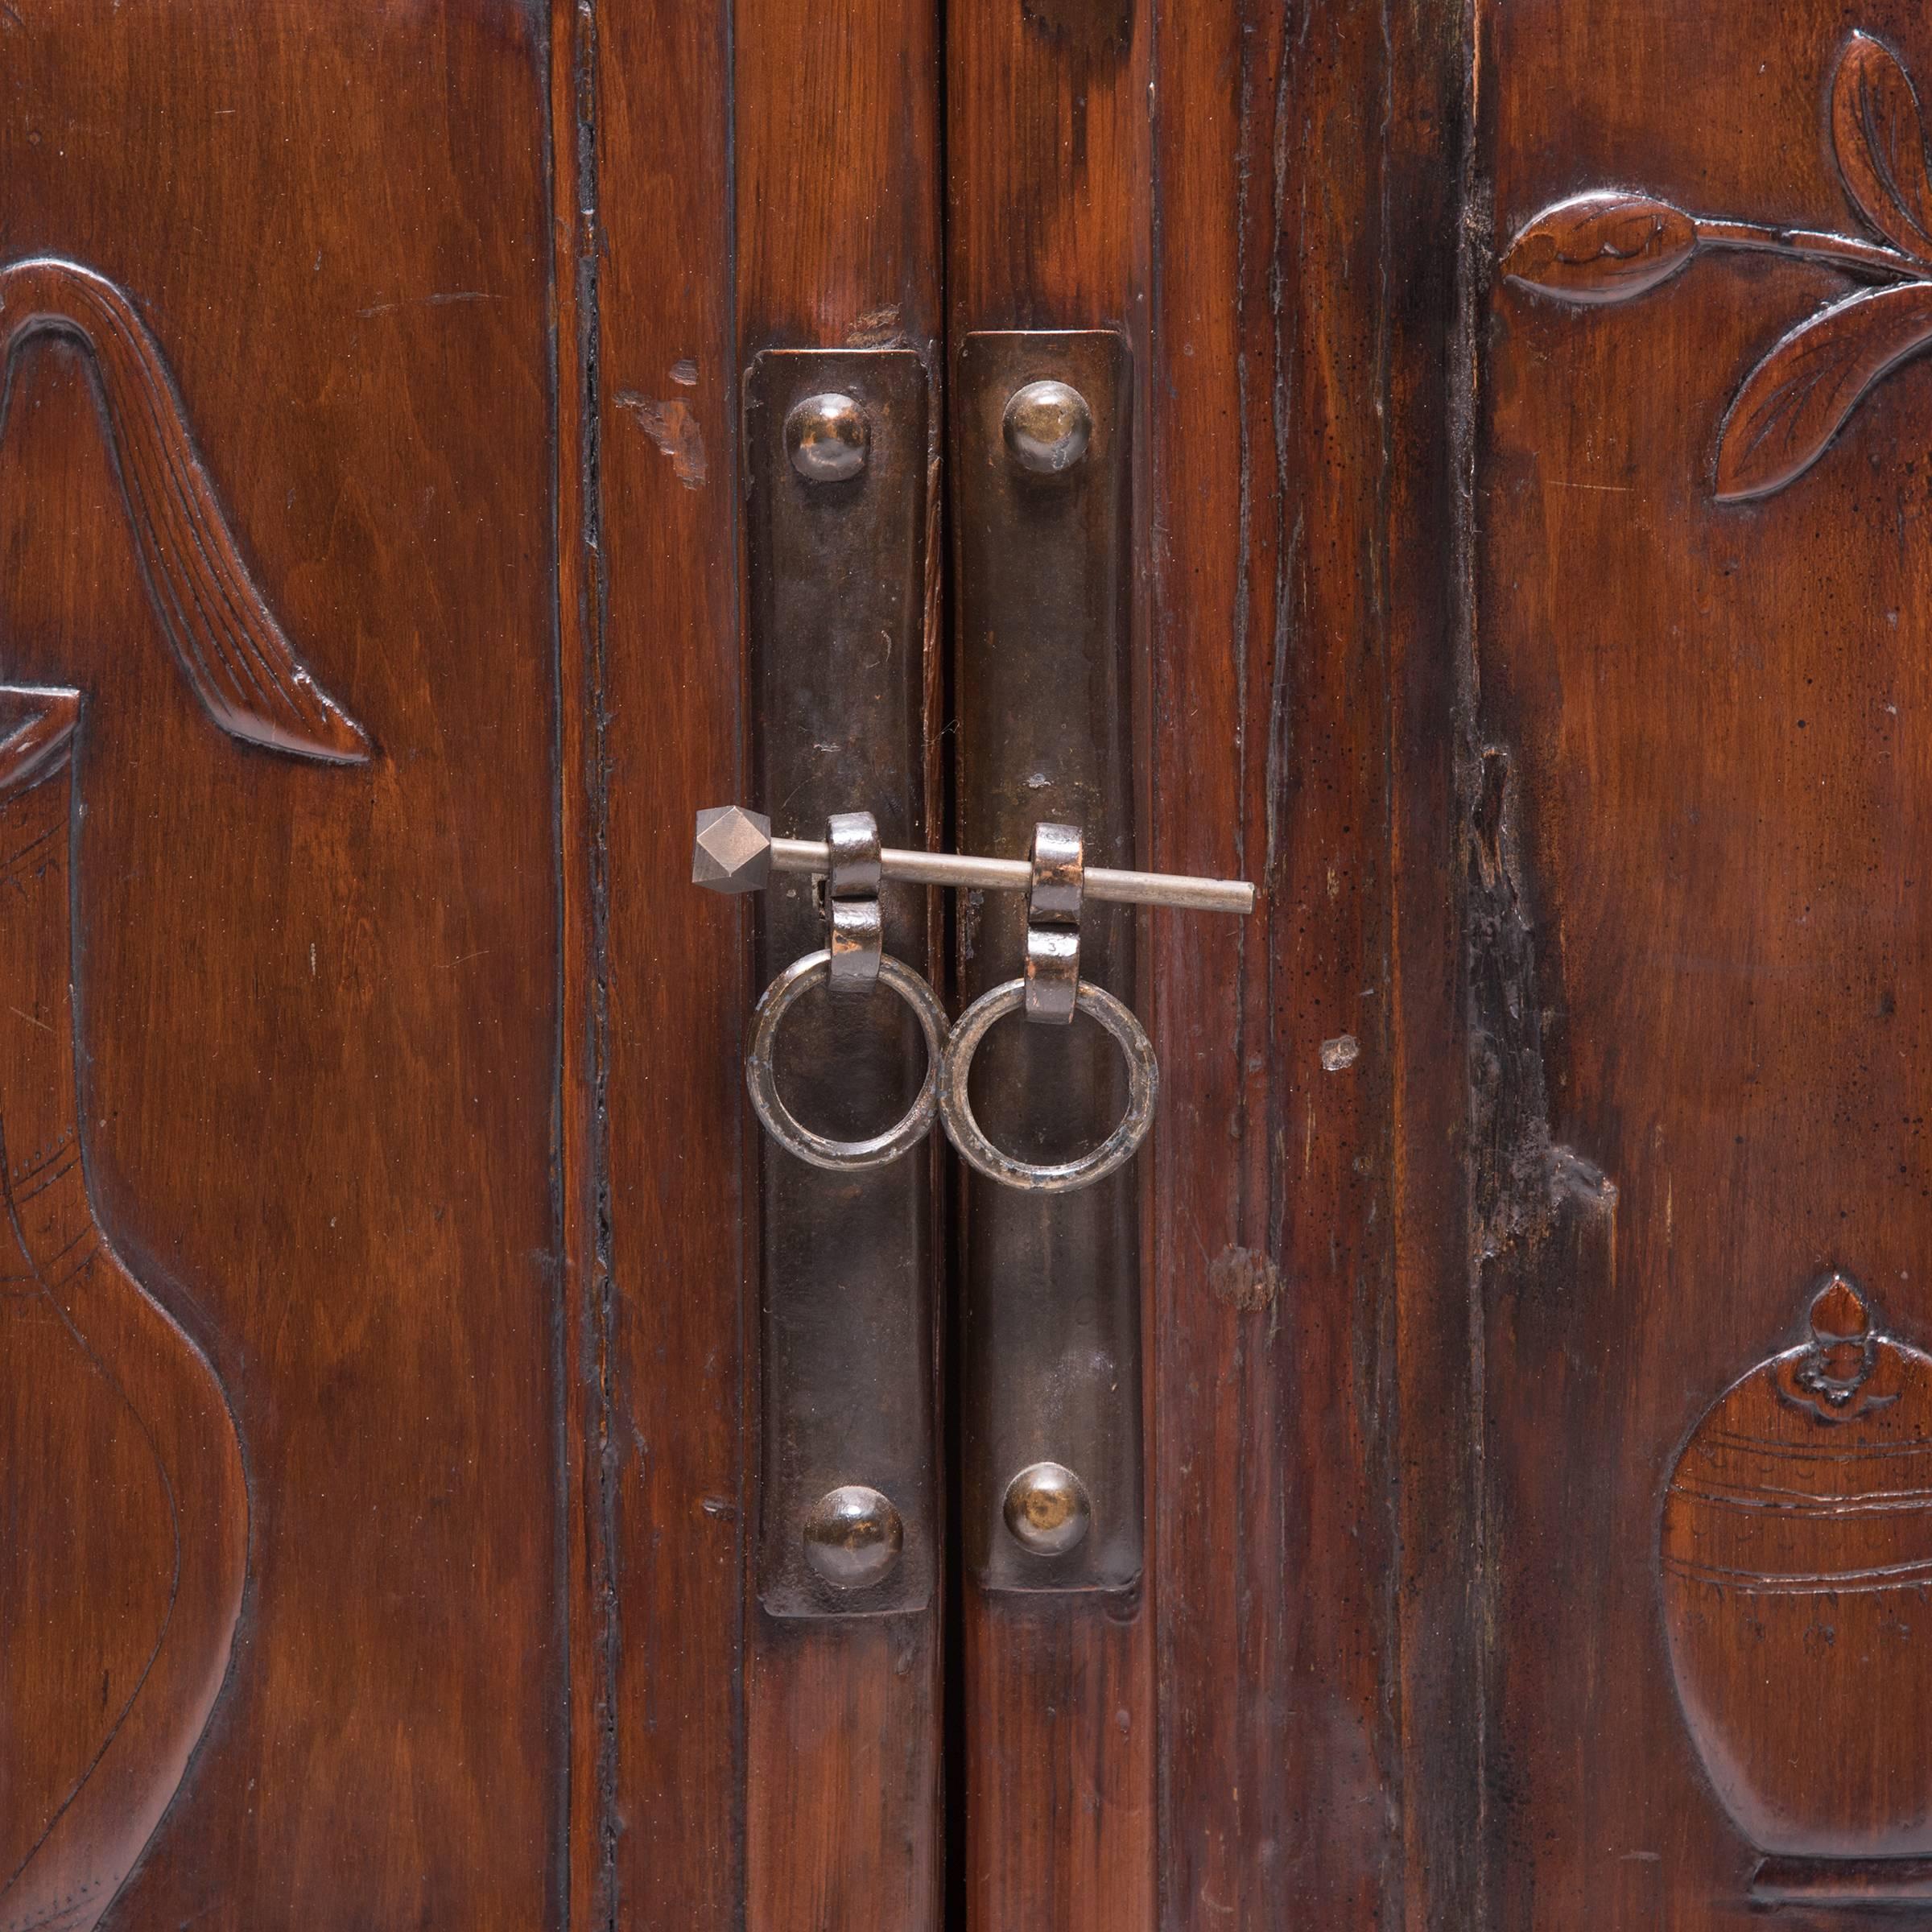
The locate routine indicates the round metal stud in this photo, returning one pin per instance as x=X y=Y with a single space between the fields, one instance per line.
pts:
x=1047 y=427
x=760 y=1077
x=853 y=1537
x=1061 y=1177
x=827 y=438
x=1047 y=1510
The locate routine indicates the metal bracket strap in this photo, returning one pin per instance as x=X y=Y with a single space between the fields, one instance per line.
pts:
x=1051 y=1402
x=837 y=462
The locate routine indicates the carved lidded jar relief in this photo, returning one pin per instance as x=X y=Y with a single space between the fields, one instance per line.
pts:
x=1796 y=1557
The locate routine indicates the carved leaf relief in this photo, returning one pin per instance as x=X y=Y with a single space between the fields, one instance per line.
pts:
x=1878 y=137
x=1797 y=399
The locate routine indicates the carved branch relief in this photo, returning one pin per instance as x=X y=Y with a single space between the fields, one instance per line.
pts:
x=1612 y=245
x=154 y=1493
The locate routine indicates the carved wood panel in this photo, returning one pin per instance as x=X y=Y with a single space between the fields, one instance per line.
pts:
x=87 y=1335
x=279 y=1411
x=1611 y=245
x=1698 y=947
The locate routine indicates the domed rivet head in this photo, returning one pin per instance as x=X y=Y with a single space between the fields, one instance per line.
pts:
x=1046 y=1509
x=853 y=1537
x=1047 y=427
x=827 y=437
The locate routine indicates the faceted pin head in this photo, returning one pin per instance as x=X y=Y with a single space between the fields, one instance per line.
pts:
x=733 y=849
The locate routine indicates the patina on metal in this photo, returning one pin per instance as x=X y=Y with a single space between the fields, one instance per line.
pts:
x=855 y=926
x=1047 y=1509
x=827 y=438
x=1053 y=926
x=853 y=1537
x=837 y=462
x=1051 y=1319
x=1047 y=427
x=1085 y=1170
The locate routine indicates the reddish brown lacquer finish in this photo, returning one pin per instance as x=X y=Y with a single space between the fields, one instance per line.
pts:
x=1276 y=450
x=655 y=983
x=102 y=1710
x=98 y=1371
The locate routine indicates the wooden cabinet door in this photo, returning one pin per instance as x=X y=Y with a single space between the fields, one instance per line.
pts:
x=1508 y=1351
x=381 y=1305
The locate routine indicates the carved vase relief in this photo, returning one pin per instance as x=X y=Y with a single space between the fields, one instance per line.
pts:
x=121 y=1484
x=1613 y=244
x=1797 y=1558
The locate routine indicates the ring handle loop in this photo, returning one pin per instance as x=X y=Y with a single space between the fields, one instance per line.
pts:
x=1061 y=1177
x=760 y=1077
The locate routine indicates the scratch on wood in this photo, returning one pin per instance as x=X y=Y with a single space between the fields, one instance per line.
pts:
x=672 y=426
x=444 y=300
x=1521 y=1177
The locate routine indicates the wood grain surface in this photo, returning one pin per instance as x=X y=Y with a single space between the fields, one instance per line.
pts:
x=660 y=988
x=1273 y=1288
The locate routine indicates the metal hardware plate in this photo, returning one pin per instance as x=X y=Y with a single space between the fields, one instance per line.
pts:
x=835 y=536
x=1051 y=1317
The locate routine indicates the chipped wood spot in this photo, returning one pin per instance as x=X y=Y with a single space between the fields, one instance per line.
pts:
x=876 y=328
x=1344 y=1050
x=672 y=426
x=1521 y=1178
x=1244 y=1279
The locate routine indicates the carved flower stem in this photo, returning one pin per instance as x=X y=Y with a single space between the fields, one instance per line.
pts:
x=1811 y=244
x=1608 y=245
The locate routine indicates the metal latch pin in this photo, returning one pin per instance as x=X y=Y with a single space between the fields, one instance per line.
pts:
x=735 y=852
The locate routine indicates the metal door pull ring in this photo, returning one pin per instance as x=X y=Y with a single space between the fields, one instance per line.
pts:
x=762 y=1078
x=1062 y=1177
